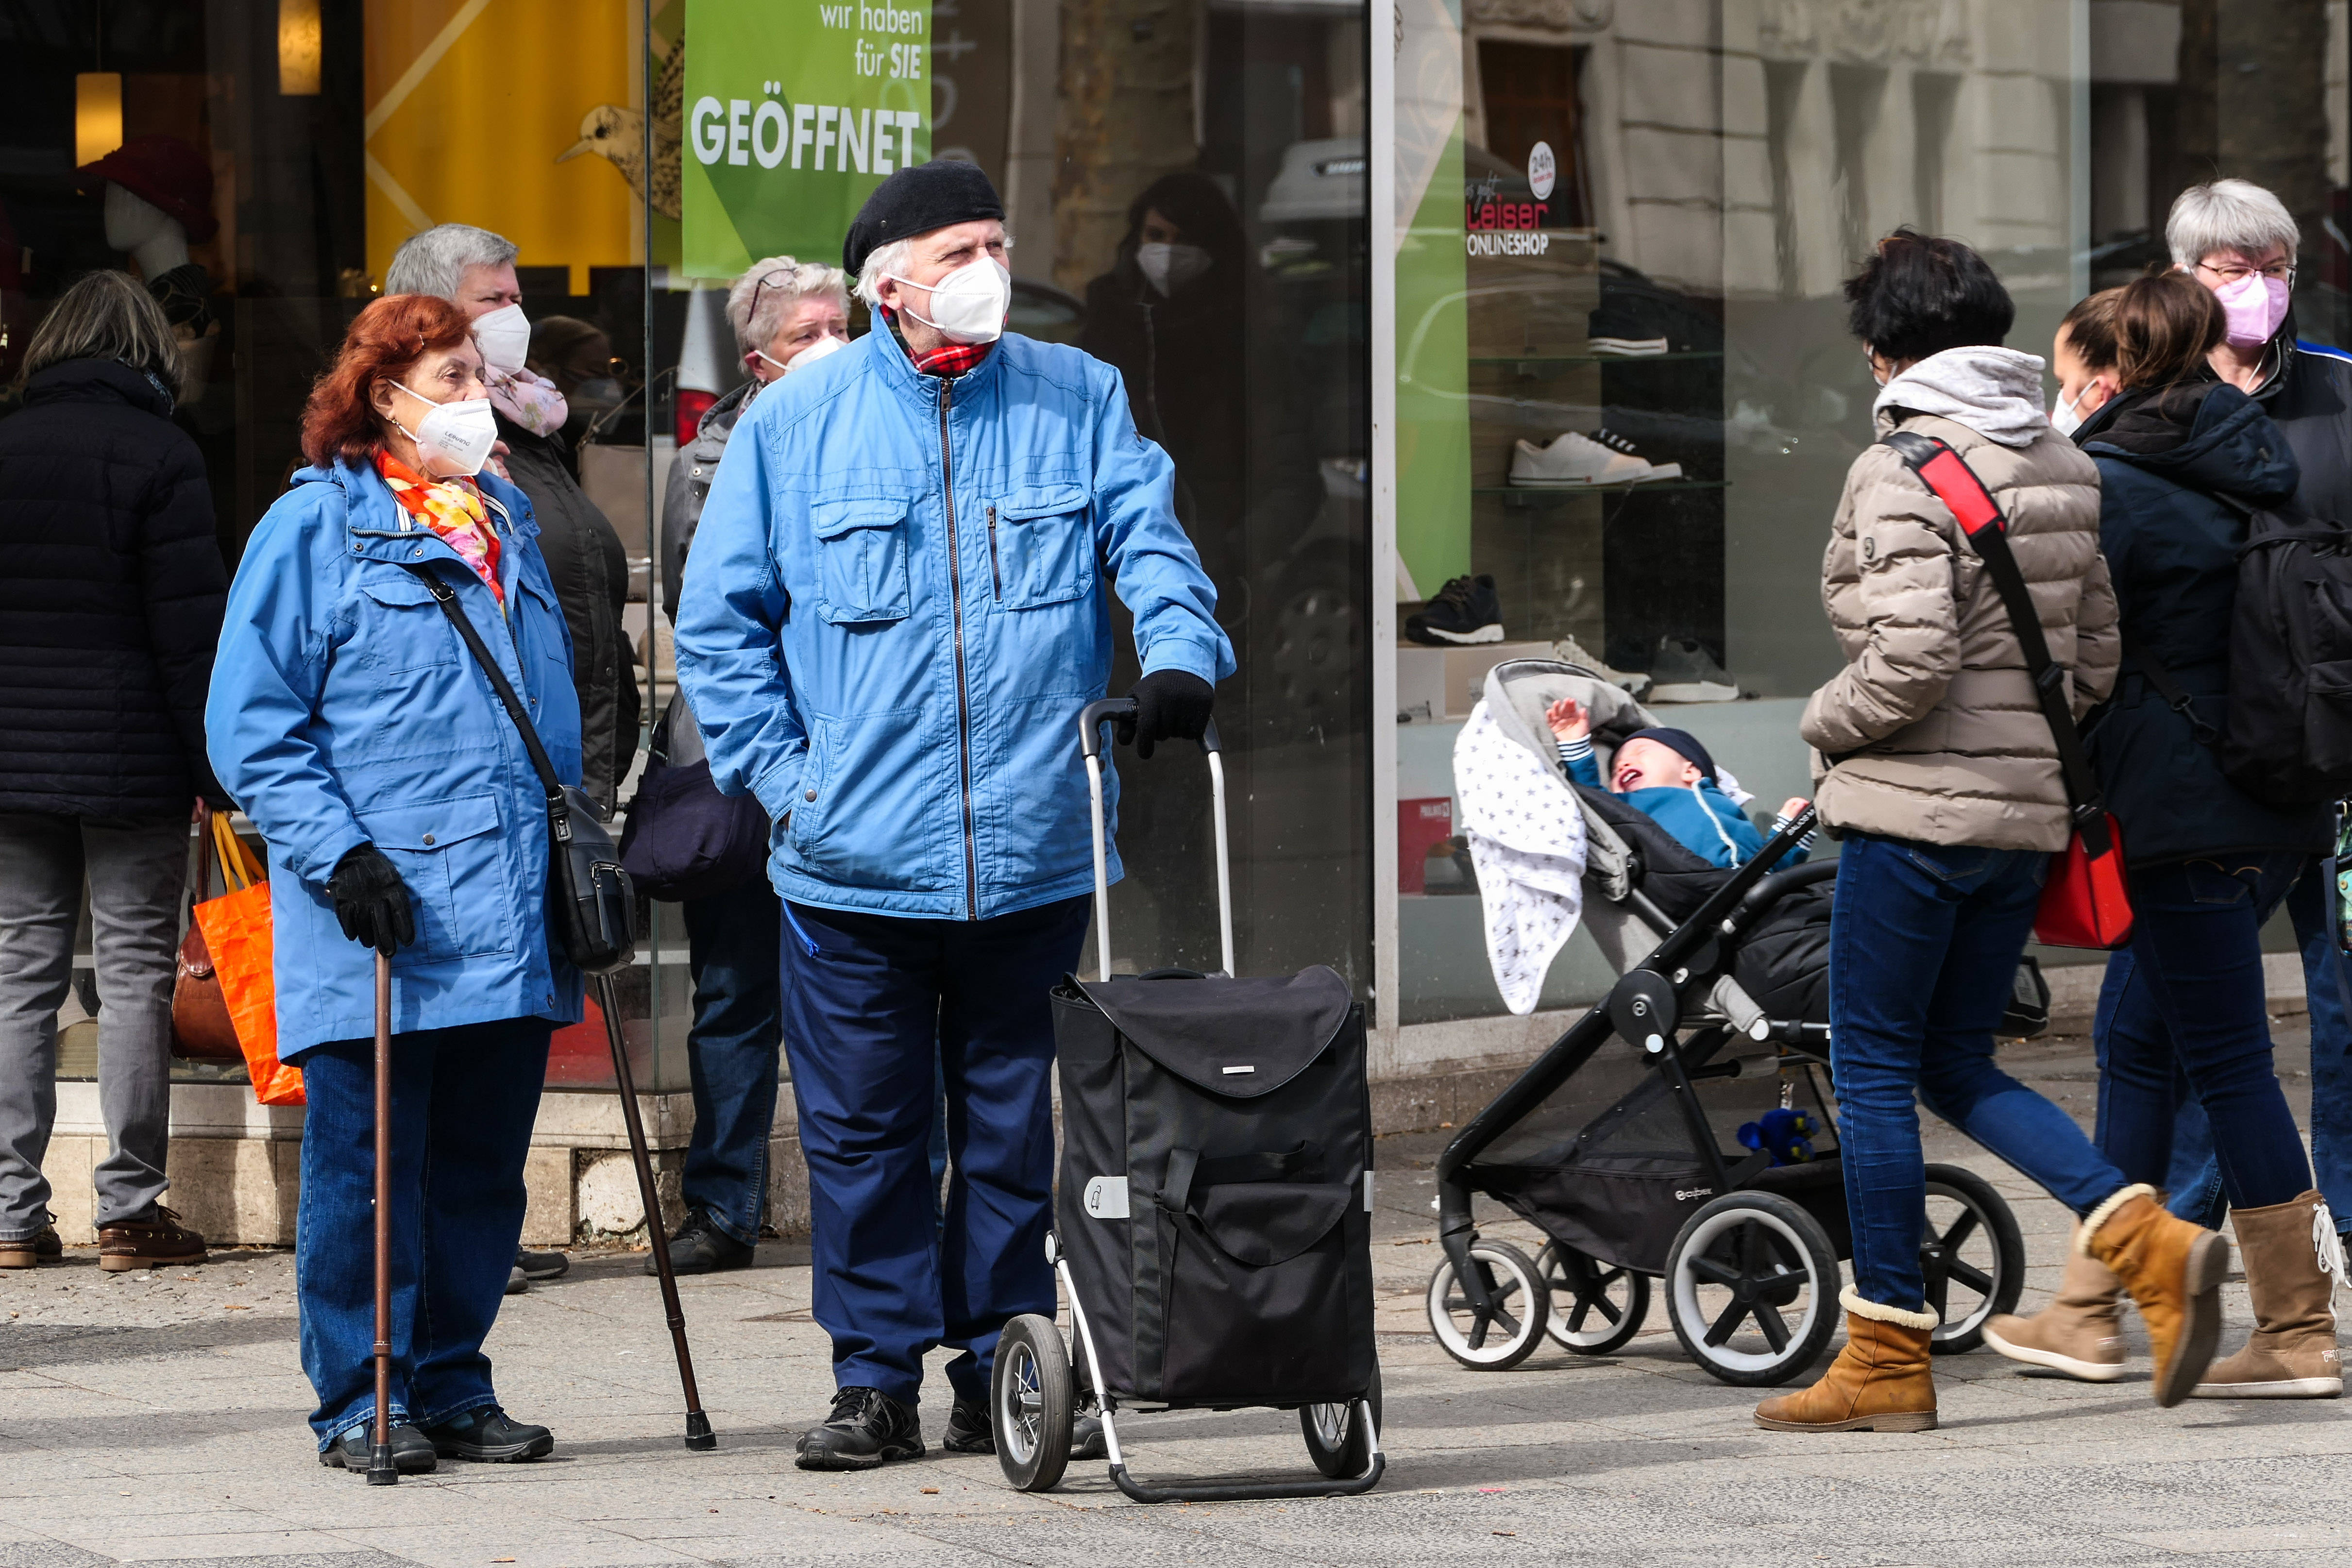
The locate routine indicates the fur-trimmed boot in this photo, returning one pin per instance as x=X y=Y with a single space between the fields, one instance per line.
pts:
x=1880 y=1381
x=2293 y=1261
x=2173 y=1271
x=2079 y=1333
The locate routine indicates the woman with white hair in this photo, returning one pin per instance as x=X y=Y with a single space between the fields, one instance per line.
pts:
x=787 y=315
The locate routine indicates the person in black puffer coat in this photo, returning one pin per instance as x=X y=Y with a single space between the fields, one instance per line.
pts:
x=109 y=614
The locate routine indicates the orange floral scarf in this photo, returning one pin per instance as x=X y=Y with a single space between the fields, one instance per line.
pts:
x=452 y=508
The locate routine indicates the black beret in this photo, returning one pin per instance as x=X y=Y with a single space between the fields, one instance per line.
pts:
x=915 y=201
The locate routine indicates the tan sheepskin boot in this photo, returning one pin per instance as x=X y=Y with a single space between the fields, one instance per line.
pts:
x=1880 y=1381
x=2079 y=1333
x=2173 y=1271
x=2294 y=1259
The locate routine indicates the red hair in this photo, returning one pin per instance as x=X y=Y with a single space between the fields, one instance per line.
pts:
x=383 y=345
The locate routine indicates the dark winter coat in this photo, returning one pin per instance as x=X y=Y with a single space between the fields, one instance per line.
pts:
x=111 y=601
x=2172 y=552
x=590 y=568
x=2308 y=396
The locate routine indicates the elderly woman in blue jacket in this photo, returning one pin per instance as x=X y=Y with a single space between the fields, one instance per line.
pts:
x=403 y=815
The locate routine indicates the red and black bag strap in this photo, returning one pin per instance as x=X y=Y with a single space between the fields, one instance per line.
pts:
x=1948 y=477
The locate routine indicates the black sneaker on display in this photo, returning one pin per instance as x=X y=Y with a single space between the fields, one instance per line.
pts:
x=866 y=1428
x=1466 y=610
x=1684 y=672
x=700 y=1247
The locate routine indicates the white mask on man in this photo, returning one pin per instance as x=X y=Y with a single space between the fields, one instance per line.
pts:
x=504 y=335
x=968 y=304
x=454 y=438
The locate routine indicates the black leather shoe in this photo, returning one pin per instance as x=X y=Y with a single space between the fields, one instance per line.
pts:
x=868 y=1427
x=971 y=1428
x=1086 y=1438
x=701 y=1248
x=412 y=1450
x=491 y=1437
x=540 y=1265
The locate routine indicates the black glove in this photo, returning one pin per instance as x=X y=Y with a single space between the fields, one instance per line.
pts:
x=1168 y=705
x=370 y=901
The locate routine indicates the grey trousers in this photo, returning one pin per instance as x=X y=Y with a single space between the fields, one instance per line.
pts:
x=136 y=869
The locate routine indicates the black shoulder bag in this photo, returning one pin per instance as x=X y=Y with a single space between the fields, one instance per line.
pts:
x=589 y=900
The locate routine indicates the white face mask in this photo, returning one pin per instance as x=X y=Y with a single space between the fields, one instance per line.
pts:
x=2067 y=417
x=453 y=438
x=1169 y=266
x=968 y=304
x=504 y=335
x=823 y=348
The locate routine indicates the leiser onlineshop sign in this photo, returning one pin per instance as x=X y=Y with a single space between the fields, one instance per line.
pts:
x=793 y=112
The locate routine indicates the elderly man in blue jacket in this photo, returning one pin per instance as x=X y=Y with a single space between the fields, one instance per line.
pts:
x=895 y=607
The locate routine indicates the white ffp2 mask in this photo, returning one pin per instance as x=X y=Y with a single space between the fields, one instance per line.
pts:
x=453 y=438
x=823 y=348
x=1170 y=266
x=504 y=335
x=968 y=304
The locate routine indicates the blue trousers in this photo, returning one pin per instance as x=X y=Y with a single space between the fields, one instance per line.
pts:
x=732 y=1053
x=1924 y=945
x=2185 y=1004
x=463 y=1101
x=872 y=1002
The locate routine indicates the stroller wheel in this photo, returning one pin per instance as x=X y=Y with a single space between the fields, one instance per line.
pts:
x=1595 y=1307
x=1971 y=1260
x=1509 y=1335
x=1751 y=1289
x=1029 y=1397
x=1335 y=1437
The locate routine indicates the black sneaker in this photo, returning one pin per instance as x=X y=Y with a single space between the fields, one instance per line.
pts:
x=489 y=1435
x=700 y=1247
x=541 y=1265
x=412 y=1450
x=866 y=1428
x=972 y=1430
x=1466 y=610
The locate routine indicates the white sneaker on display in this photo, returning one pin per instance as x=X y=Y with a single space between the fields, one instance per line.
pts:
x=1577 y=461
x=1569 y=651
x=1629 y=348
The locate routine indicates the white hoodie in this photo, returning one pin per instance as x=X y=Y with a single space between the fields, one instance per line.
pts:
x=1997 y=393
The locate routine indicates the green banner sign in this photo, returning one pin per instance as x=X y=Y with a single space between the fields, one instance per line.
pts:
x=793 y=111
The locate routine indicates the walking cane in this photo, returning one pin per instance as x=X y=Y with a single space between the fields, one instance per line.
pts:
x=381 y=1471
x=698 y=1436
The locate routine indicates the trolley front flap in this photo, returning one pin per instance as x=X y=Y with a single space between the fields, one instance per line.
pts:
x=1240 y=1039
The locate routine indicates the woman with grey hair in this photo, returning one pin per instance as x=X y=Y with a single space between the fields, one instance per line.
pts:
x=109 y=614
x=787 y=315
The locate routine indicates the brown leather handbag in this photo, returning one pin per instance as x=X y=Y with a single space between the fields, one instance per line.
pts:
x=201 y=1030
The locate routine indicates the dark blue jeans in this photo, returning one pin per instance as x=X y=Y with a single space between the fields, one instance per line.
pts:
x=883 y=1007
x=2186 y=1000
x=2194 y=1178
x=1924 y=945
x=463 y=1100
x=732 y=1053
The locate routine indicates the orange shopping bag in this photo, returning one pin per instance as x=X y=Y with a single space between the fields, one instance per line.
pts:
x=237 y=929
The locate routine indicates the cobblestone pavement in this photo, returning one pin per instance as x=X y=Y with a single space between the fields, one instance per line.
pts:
x=160 y=1418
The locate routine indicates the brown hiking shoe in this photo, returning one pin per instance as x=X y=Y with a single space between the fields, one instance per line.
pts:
x=2174 y=1270
x=33 y=1250
x=151 y=1243
x=2079 y=1333
x=2294 y=1259
x=1879 y=1383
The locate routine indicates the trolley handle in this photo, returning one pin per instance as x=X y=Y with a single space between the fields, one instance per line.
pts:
x=1090 y=722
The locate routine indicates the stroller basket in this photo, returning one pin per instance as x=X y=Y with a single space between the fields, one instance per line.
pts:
x=1213 y=1223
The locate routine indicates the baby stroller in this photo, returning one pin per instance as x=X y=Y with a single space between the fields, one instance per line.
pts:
x=1213 y=1220
x=1622 y=1142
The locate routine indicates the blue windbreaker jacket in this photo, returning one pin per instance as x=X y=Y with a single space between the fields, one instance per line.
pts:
x=895 y=609
x=346 y=710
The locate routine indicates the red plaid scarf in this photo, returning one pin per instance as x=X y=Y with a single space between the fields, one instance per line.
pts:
x=949 y=360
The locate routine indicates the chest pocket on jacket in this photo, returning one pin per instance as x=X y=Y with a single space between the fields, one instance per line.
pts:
x=401 y=627
x=1041 y=547
x=861 y=561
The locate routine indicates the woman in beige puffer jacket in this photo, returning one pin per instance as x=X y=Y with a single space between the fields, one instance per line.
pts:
x=1940 y=775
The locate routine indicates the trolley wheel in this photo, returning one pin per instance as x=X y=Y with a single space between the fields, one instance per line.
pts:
x=1336 y=1439
x=1972 y=1259
x=1029 y=1398
x=1509 y=1335
x=1595 y=1307
x=1751 y=1289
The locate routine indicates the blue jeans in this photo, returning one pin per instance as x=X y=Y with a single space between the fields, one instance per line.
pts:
x=732 y=1053
x=2186 y=1000
x=872 y=1018
x=463 y=1100
x=2194 y=1178
x=1924 y=945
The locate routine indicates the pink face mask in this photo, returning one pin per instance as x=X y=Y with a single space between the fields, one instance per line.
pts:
x=2256 y=306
